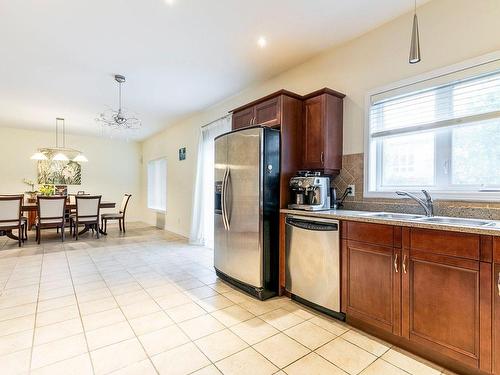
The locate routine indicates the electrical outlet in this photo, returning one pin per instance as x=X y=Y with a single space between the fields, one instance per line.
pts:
x=353 y=190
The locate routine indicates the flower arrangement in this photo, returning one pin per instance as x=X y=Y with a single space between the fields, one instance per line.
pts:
x=31 y=184
x=47 y=189
x=32 y=192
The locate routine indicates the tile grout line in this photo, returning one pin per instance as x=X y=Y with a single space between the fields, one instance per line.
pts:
x=175 y=324
x=146 y=261
x=36 y=313
x=79 y=312
x=126 y=319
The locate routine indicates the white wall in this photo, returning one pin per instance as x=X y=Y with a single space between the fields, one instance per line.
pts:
x=113 y=168
x=451 y=31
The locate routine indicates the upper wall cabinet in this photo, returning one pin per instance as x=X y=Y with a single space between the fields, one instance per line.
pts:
x=321 y=133
x=243 y=118
x=310 y=126
x=267 y=111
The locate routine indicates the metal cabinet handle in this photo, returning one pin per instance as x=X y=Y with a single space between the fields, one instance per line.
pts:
x=396 y=268
x=498 y=284
x=322 y=158
x=404 y=264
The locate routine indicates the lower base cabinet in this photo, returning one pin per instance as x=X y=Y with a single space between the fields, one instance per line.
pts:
x=373 y=285
x=496 y=318
x=429 y=289
x=442 y=305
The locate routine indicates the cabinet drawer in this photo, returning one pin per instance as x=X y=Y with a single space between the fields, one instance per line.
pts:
x=463 y=245
x=377 y=234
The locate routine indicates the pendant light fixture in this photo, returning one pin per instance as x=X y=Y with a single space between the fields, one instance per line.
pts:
x=119 y=119
x=415 y=39
x=60 y=152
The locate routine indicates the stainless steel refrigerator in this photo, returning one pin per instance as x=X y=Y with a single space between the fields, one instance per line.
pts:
x=247 y=170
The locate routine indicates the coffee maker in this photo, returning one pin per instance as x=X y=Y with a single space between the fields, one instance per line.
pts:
x=310 y=191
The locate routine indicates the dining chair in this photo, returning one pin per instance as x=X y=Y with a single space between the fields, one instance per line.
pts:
x=24 y=219
x=87 y=213
x=50 y=215
x=120 y=216
x=11 y=216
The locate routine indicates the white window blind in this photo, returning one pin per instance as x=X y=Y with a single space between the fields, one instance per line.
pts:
x=157 y=184
x=441 y=134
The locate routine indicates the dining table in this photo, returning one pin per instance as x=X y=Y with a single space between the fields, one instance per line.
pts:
x=31 y=207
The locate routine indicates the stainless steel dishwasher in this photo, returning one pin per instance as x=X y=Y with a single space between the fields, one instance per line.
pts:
x=313 y=262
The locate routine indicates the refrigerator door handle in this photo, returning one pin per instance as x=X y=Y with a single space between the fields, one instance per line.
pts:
x=226 y=179
x=223 y=199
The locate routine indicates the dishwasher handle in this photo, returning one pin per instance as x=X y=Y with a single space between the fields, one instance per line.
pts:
x=312 y=225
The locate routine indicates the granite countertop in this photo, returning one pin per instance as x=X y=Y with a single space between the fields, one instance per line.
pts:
x=364 y=216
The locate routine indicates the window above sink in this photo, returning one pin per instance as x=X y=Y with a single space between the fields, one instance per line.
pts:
x=439 y=132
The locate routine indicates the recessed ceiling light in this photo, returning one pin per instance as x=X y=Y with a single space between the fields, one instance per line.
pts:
x=170 y=2
x=262 y=42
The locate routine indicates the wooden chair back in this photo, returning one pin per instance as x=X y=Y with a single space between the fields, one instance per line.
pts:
x=88 y=207
x=10 y=210
x=125 y=200
x=51 y=210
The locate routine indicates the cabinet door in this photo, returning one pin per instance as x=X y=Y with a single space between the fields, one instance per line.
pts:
x=313 y=133
x=441 y=297
x=243 y=118
x=268 y=113
x=496 y=318
x=373 y=285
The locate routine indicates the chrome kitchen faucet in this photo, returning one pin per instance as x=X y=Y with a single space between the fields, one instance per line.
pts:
x=427 y=204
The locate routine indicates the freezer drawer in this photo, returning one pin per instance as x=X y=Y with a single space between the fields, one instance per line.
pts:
x=313 y=260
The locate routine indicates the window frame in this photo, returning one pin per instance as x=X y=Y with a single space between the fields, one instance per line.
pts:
x=464 y=193
x=156 y=209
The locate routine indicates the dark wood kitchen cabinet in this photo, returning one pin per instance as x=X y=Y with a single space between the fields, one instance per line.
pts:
x=496 y=305
x=442 y=306
x=280 y=110
x=441 y=297
x=372 y=282
x=321 y=132
x=266 y=111
x=430 y=290
x=496 y=316
x=310 y=126
x=243 y=118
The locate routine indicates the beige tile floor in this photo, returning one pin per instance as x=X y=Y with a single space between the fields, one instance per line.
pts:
x=148 y=303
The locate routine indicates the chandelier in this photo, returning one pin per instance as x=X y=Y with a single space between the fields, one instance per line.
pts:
x=60 y=152
x=119 y=119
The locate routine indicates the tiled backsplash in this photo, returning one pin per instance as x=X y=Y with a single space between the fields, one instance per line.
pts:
x=352 y=173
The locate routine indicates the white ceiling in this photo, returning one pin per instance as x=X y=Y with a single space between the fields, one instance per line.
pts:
x=58 y=57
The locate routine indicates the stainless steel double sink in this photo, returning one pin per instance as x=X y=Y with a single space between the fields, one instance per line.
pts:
x=433 y=219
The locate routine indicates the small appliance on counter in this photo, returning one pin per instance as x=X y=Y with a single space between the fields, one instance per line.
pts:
x=310 y=192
